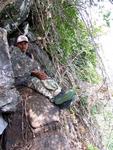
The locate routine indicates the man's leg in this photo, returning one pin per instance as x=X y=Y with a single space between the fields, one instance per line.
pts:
x=52 y=90
x=37 y=85
x=63 y=97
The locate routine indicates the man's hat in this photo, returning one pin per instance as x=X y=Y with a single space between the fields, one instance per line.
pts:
x=22 y=38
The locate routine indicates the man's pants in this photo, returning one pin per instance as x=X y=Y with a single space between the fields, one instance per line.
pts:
x=48 y=87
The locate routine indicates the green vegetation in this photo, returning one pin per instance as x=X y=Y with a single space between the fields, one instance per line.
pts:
x=84 y=101
x=97 y=108
x=11 y=12
x=75 y=43
x=68 y=38
x=91 y=147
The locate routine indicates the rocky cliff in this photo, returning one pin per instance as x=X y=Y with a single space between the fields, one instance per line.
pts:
x=57 y=129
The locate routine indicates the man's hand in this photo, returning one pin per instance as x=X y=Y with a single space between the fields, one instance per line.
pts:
x=40 y=75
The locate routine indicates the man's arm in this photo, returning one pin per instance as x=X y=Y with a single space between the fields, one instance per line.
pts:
x=39 y=74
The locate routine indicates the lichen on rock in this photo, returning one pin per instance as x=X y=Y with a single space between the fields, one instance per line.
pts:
x=9 y=96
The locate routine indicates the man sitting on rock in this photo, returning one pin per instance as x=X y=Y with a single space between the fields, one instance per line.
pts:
x=28 y=73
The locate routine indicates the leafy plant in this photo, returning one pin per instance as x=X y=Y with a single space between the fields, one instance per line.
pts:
x=67 y=37
x=75 y=43
x=84 y=101
x=91 y=147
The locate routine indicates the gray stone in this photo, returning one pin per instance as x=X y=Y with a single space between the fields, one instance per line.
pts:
x=6 y=73
x=8 y=100
x=3 y=124
x=14 y=14
x=8 y=95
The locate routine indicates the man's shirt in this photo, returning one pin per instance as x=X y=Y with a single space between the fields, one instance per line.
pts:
x=22 y=64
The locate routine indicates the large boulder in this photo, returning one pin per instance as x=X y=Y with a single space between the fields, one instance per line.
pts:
x=9 y=96
x=48 y=133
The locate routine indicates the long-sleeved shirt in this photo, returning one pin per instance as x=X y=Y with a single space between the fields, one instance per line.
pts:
x=22 y=64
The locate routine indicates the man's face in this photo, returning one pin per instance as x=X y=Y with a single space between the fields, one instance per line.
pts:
x=23 y=46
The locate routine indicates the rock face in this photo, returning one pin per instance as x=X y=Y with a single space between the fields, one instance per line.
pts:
x=14 y=14
x=37 y=124
x=24 y=131
x=47 y=135
x=8 y=95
